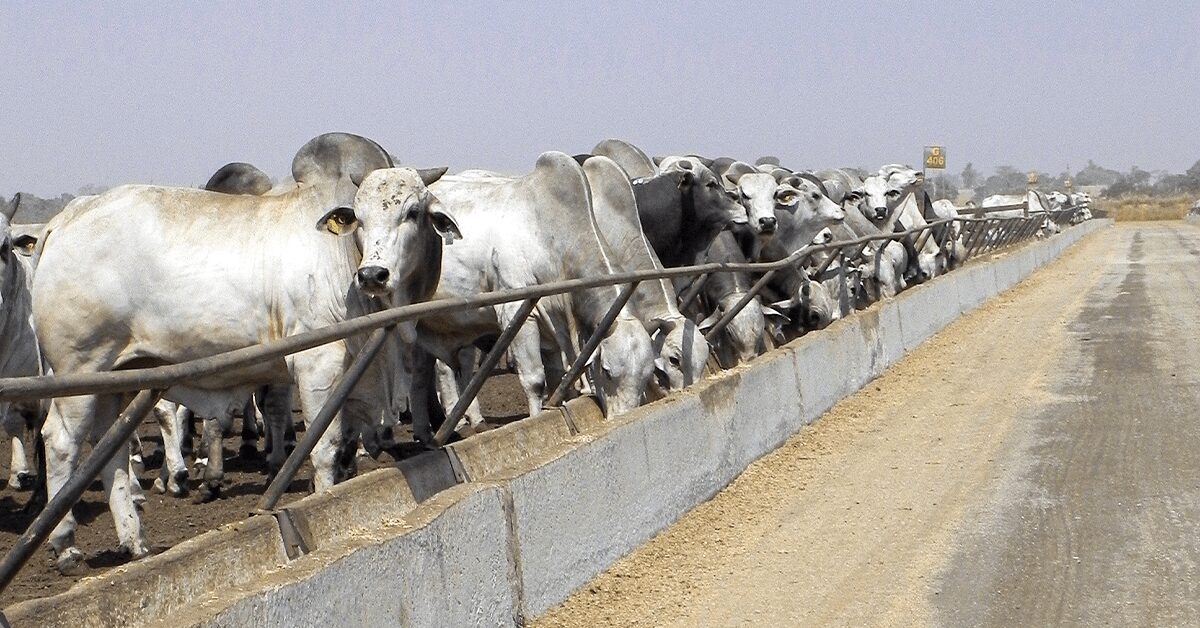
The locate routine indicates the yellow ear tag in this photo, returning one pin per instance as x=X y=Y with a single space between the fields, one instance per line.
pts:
x=339 y=225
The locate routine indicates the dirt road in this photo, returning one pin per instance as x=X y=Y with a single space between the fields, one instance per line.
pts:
x=1033 y=464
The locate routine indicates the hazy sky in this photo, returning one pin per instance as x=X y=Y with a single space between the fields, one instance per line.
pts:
x=168 y=92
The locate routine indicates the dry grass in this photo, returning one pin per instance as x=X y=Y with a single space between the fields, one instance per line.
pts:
x=1132 y=208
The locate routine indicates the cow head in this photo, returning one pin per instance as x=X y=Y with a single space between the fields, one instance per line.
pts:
x=879 y=197
x=744 y=332
x=682 y=352
x=804 y=201
x=400 y=226
x=757 y=193
x=709 y=199
x=623 y=366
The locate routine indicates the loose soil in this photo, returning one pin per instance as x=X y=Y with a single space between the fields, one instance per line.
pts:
x=1033 y=464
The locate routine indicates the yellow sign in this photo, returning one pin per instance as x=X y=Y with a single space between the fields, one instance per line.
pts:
x=935 y=158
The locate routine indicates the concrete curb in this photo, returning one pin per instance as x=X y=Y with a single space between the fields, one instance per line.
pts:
x=549 y=503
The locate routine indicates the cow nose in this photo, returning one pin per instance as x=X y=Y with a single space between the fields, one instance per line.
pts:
x=881 y=212
x=767 y=225
x=370 y=277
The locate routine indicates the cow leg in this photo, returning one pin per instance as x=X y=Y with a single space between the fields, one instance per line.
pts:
x=19 y=478
x=136 y=492
x=63 y=434
x=422 y=398
x=316 y=371
x=527 y=351
x=450 y=383
x=135 y=454
x=69 y=422
x=214 y=471
x=249 y=447
x=468 y=363
x=276 y=404
x=14 y=424
x=119 y=483
x=172 y=422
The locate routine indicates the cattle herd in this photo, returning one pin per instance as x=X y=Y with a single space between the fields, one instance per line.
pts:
x=143 y=276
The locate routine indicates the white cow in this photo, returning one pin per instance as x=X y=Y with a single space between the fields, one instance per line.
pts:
x=680 y=348
x=953 y=247
x=891 y=202
x=18 y=342
x=755 y=190
x=1036 y=203
x=526 y=231
x=191 y=273
x=883 y=263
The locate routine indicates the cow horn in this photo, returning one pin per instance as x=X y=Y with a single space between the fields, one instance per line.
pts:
x=429 y=175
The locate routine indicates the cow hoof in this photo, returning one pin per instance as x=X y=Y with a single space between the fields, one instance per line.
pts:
x=209 y=490
x=179 y=485
x=249 y=452
x=70 y=562
x=138 y=551
x=158 y=486
x=22 y=481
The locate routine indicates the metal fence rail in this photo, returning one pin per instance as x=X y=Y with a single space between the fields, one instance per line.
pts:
x=979 y=236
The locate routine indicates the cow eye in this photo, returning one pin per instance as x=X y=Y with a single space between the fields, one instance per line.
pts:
x=893 y=193
x=412 y=214
x=674 y=360
x=816 y=196
x=712 y=185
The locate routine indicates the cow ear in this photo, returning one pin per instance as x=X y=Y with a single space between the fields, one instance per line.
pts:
x=658 y=159
x=711 y=320
x=24 y=244
x=444 y=224
x=339 y=221
x=806 y=290
x=770 y=312
x=430 y=175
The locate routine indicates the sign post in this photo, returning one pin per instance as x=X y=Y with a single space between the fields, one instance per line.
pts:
x=935 y=158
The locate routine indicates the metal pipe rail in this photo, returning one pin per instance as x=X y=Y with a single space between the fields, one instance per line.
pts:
x=1005 y=230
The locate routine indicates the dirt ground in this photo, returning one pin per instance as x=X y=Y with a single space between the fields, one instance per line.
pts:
x=169 y=520
x=1033 y=464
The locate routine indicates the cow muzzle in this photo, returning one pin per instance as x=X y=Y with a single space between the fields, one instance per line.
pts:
x=881 y=213
x=767 y=225
x=373 y=280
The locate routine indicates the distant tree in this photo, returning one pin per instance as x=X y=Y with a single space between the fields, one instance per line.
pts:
x=1136 y=181
x=970 y=176
x=1093 y=174
x=1006 y=180
x=942 y=186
